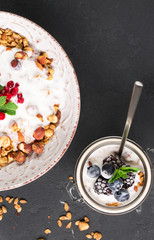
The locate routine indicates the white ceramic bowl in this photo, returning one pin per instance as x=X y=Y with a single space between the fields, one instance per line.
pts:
x=13 y=175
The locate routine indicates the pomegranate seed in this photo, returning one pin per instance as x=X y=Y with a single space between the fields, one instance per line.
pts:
x=20 y=100
x=2 y=116
x=2 y=91
x=17 y=85
x=15 y=64
x=19 y=95
x=14 y=91
x=8 y=95
x=6 y=89
x=10 y=84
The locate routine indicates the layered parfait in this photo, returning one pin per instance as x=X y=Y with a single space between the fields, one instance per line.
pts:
x=29 y=102
x=111 y=180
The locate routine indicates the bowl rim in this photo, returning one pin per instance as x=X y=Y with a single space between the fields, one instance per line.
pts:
x=77 y=114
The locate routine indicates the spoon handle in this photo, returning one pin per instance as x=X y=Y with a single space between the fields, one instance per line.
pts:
x=136 y=93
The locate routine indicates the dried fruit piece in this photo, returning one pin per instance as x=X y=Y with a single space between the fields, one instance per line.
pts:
x=59 y=223
x=83 y=226
x=66 y=207
x=39 y=133
x=68 y=216
x=69 y=225
x=37 y=147
x=20 y=157
x=47 y=231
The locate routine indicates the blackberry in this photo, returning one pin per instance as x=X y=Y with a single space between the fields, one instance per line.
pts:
x=115 y=160
x=101 y=186
x=129 y=181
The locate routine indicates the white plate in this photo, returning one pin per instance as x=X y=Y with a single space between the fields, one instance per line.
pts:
x=13 y=175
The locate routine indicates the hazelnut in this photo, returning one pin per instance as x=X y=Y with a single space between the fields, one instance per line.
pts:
x=21 y=55
x=20 y=157
x=49 y=132
x=26 y=148
x=39 y=133
x=37 y=147
x=5 y=141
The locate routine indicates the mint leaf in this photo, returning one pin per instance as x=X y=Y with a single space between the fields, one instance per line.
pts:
x=9 y=112
x=1 y=87
x=115 y=176
x=129 y=169
x=9 y=106
x=2 y=100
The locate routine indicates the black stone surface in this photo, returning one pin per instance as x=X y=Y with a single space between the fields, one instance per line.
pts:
x=111 y=45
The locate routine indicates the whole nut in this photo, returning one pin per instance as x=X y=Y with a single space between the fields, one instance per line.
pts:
x=26 y=148
x=37 y=147
x=5 y=141
x=39 y=133
x=21 y=55
x=20 y=157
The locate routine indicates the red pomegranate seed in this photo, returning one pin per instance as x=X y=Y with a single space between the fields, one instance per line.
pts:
x=17 y=85
x=2 y=116
x=6 y=89
x=20 y=100
x=19 y=95
x=8 y=95
x=10 y=84
x=14 y=91
x=2 y=91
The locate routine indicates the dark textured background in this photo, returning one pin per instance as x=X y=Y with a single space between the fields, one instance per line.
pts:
x=111 y=45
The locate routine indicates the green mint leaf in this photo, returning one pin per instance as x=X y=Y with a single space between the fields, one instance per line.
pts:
x=10 y=112
x=115 y=176
x=2 y=100
x=1 y=87
x=9 y=106
x=129 y=169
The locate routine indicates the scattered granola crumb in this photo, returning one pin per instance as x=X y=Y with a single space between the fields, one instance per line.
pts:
x=62 y=218
x=114 y=204
x=4 y=209
x=68 y=216
x=48 y=217
x=88 y=236
x=86 y=219
x=16 y=200
x=10 y=200
x=7 y=198
x=59 y=223
x=70 y=178
x=47 y=231
x=66 y=207
x=69 y=225
x=97 y=236
x=13 y=228
x=1 y=212
x=23 y=201
x=1 y=199
x=135 y=188
x=83 y=226
x=77 y=223
x=1 y=216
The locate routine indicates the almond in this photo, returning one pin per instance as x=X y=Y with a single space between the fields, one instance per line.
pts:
x=26 y=148
x=21 y=137
x=37 y=147
x=20 y=157
x=21 y=55
x=39 y=133
x=83 y=226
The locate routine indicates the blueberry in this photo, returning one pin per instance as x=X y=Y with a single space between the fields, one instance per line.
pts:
x=122 y=195
x=108 y=170
x=116 y=185
x=93 y=171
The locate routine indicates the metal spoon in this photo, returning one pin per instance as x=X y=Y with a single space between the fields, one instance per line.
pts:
x=136 y=93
